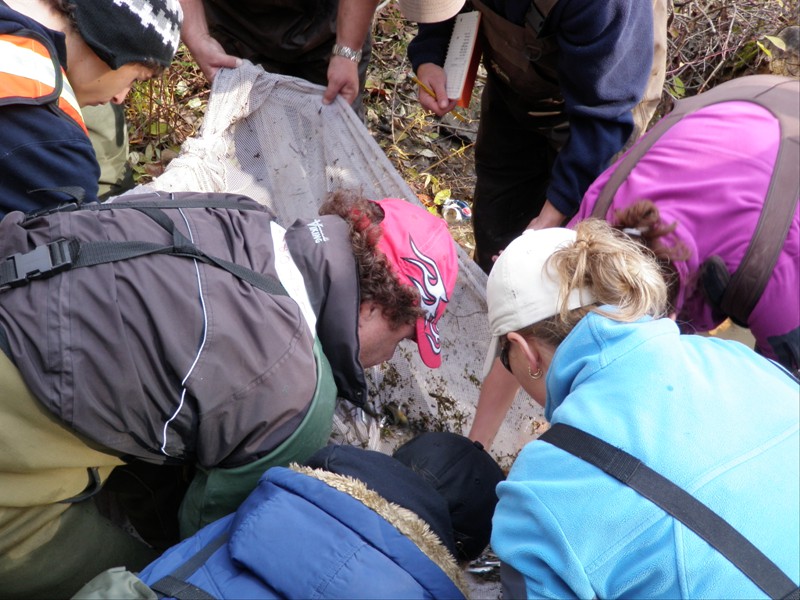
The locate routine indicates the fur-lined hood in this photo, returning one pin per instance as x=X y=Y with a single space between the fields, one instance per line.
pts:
x=407 y=522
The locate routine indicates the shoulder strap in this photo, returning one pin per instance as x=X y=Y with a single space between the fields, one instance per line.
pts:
x=182 y=246
x=681 y=505
x=174 y=201
x=60 y=255
x=175 y=585
x=537 y=14
x=779 y=95
x=751 y=277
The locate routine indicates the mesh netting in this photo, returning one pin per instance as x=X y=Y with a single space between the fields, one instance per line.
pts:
x=270 y=137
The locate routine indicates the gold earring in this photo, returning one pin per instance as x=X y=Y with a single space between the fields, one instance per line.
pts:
x=537 y=375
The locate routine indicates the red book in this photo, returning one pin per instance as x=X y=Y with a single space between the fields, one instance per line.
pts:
x=463 y=58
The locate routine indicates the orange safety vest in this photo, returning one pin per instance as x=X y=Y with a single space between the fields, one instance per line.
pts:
x=30 y=74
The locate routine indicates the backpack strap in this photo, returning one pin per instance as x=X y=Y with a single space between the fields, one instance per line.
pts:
x=182 y=244
x=778 y=95
x=175 y=585
x=751 y=277
x=681 y=505
x=176 y=200
x=537 y=14
x=60 y=255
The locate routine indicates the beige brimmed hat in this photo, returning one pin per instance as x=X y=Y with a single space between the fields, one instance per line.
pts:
x=521 y=291
x=429 y=11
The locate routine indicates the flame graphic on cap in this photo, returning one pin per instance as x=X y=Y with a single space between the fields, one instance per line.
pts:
x=431 y=291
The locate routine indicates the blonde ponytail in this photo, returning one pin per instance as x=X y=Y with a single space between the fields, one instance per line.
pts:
x=616 y=271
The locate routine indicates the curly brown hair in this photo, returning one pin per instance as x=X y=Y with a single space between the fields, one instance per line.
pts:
x=399 y=302
x=643 y=223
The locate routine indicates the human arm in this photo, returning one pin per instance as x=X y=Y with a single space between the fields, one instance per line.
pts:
x=605 y=57
x=353 y=22
x=549 y=216
x=497 y=394
x=206 y=51
x=42 y=153
x=427 y=52
x=538 y=561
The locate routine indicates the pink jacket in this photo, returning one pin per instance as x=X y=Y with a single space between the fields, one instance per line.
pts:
x=709 y=174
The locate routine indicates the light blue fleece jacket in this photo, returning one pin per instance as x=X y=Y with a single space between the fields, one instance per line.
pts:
x=711 y=415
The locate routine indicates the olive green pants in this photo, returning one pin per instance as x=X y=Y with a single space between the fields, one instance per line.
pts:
x=49 y=549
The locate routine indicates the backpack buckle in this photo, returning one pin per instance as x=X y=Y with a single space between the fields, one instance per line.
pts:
x=43 y=261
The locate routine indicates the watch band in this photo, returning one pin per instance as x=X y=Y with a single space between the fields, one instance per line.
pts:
x=348 y=53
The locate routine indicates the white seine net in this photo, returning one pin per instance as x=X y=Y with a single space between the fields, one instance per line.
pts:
x=270 y=137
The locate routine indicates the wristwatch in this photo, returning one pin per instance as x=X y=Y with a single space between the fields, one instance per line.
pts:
x=348 y=53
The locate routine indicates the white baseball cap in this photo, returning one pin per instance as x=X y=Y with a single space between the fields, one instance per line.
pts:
x=430 y=11
x=522 y=289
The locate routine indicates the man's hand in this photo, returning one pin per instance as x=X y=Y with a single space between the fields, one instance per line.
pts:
x=206 y=51
x=432 y=75
x=353 y=22
x=550 y=216
x=210 y=56
x=342 y=80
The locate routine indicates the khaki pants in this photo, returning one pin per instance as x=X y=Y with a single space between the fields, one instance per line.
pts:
x=49 y=549
x=108 y=132
x=644 y=111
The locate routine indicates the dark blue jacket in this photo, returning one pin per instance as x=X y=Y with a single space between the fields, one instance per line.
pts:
x=605 y=57
x=315 y=534
x=41 y=147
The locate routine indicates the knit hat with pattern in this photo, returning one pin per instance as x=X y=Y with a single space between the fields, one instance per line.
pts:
x=130 y=31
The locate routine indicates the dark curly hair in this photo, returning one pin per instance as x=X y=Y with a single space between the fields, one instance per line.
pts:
x=400 y=302
x=643 y=223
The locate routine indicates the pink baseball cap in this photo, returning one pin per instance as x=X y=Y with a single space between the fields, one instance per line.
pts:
x=422 y=254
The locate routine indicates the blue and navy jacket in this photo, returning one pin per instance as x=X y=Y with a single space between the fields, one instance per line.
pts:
x=46 y=157
x=311 y=533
